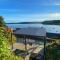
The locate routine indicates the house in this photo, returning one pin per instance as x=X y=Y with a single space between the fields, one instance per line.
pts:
x=30 y=35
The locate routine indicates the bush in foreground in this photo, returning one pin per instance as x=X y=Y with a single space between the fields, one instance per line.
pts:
x=53 y=51
x=5 y=52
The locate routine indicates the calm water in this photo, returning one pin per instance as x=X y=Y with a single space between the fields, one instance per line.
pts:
x=49 y=28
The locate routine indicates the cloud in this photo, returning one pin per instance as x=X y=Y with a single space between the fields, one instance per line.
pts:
x=53 y=16
x=57 y=4
x=32 y=17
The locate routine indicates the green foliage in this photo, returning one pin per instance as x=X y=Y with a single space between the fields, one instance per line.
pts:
x=5 y=51
x=2 y=22
x=53 y=51
x=11 y=38
x=53 y=22
x=9 y=35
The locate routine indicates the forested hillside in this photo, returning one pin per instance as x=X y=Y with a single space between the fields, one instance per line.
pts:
x=52 y=22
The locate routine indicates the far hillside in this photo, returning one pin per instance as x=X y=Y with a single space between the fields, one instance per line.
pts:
x=52 y=22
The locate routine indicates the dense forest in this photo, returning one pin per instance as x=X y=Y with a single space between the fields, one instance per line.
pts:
x=52 y=22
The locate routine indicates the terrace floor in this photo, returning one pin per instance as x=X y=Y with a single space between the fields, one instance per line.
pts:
x=21 y=46
x=30 y=48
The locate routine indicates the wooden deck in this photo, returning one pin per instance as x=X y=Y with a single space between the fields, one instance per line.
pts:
x=31 y=48
x=21 y=46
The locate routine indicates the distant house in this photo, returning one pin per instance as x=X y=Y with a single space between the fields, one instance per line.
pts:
x=30 y=35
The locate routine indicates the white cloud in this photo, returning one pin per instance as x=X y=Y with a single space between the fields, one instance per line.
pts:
x=32 y=17
x=57 y=4
x=53 y=16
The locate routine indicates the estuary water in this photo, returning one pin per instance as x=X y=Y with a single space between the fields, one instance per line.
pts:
x=49 y=28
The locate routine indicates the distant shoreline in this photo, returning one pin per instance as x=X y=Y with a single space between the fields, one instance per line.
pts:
x=52 y=22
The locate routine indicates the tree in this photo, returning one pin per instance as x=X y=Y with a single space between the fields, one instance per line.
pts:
x=10 y=36
x=5 y=51
x=2 y=22
x=52 y=22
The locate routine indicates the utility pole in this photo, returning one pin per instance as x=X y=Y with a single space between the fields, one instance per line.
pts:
x=25 y=44
x=11 y=41
x=44 y=48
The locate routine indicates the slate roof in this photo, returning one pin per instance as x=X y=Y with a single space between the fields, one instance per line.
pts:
x=32 y=31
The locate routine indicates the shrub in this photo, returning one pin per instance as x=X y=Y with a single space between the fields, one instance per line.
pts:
x=5 y=51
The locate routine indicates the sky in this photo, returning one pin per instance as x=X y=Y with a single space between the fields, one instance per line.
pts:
x=29 y=10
